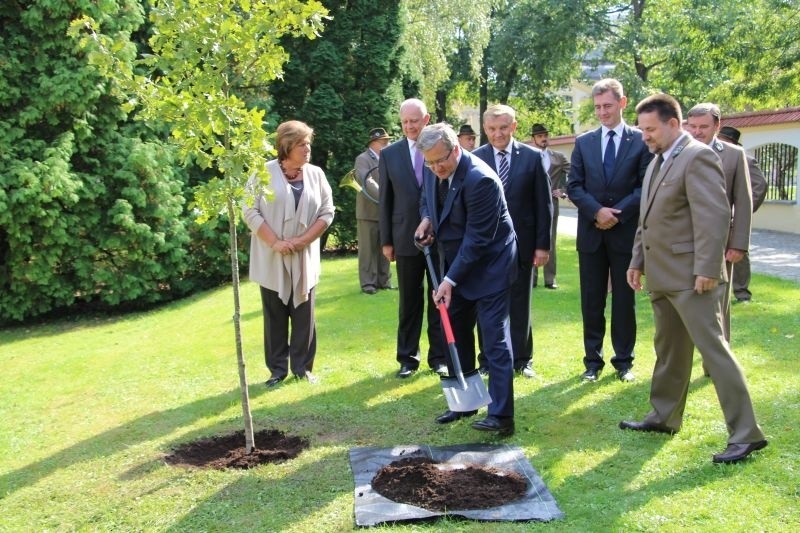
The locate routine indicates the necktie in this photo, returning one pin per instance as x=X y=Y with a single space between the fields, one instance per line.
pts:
x=654 y=175
x=546 y=161
x=444 y=187
x=418 y=162
x=610 y=156
x=502 y=168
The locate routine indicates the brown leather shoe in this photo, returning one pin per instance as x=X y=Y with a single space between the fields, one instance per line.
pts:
x=736 y=452
x=645 y=426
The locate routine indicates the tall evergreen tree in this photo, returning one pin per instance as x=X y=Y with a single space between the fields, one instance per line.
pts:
x=342 y=86
x=90 y=205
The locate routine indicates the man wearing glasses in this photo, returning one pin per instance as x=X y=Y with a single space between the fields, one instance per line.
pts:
x=464 y=210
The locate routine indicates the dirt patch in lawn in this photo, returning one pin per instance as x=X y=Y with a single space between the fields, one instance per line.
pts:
x=425 y=483
x=228 y=451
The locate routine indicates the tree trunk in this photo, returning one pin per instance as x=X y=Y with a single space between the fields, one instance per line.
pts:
x=248 y=418
x=441 y=105
x=483 y=97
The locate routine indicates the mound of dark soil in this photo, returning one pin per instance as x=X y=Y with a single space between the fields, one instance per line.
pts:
x=228 y=451
x=441 y=486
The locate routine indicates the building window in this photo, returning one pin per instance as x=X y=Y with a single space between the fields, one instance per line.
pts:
x=778 y=161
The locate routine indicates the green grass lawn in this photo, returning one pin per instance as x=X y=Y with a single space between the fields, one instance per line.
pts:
x=89 y=407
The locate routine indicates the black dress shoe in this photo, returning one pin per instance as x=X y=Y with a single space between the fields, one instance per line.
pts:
x=308 y=376
x=736 y=452
x=626 y=375
x=369 y=290
x=592 y=374
x=452 y=416
x=441 y=370
x=527 y=371
x=503 y=426
x=271 y=382
x=551 y=286
x=405 y=371
x=645 y=426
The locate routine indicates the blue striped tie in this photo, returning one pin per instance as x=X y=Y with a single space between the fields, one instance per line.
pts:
x=610 y=156
x=502 y=169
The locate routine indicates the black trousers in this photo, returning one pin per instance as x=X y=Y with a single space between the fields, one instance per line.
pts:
x=595 y=268
x=411 y=275
x=520 y=320
x=283 y=350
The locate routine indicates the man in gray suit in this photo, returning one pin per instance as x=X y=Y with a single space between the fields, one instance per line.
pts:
x=702 y=122
x=374 y=271
x=557 y=168
x=605 y=181
x=400 y=169
x=758 y=183
x=679 y=248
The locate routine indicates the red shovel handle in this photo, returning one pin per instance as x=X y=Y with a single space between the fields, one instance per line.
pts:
x=448 y=329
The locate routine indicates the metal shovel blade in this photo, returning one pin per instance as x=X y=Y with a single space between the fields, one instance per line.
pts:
x=460 y=399
x=463 y=392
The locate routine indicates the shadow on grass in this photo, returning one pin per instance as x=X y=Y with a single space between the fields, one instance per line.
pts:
x=81 y=322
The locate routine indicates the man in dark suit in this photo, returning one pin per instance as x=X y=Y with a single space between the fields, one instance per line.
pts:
x=605 y=183
x=400 y=169
x=740 y=282
x=557 y=168
x=528 y=195
x=679 y=247
x=463 y=206
x=374 y=271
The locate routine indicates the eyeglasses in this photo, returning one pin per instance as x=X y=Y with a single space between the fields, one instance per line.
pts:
x=430 y=164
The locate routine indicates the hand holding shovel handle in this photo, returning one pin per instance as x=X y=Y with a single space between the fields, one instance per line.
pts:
x=448 y=330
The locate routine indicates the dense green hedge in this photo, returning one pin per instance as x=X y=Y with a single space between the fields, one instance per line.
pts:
x=93 y=208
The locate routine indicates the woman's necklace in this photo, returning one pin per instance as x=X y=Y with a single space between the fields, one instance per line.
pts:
x=291 y=175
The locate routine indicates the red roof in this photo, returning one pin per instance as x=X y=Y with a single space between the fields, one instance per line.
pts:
x=761 y=118
x=562 y=139
x=737 y=120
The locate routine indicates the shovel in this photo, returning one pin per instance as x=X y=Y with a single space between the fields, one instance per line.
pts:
x=463 y=393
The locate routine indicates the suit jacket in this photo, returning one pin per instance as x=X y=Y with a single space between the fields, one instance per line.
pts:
x=559 y=169
x=758 y=183
x=399 y=199
x=589 y=191
x=740 y=195
x=296 y=274
x=367 y=175
x=683 y=226
x=528 y=196
x=474 y=230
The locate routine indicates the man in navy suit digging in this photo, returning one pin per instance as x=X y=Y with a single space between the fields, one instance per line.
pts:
x=463 y=208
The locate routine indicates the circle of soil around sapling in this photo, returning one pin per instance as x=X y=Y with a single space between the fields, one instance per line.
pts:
x=228 y=451
x=422 y=482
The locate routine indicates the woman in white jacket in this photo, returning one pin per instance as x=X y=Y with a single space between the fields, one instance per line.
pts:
x=286 y=220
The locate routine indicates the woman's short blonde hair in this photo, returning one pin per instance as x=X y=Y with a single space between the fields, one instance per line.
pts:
x=290 y=134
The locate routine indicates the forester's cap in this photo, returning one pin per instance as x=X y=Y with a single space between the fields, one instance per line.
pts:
x=730 y=134
x=538 y=128
x=377 y=133
x=466 y=129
